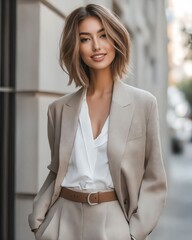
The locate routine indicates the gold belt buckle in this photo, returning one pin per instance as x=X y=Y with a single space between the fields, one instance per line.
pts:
x=88 y=199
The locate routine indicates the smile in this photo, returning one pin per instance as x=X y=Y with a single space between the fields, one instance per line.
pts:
x=98 y=57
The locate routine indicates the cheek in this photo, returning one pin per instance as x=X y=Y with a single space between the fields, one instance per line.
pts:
x=112 y=52
x=84 y=58
x=110 y=48
x=83 y=52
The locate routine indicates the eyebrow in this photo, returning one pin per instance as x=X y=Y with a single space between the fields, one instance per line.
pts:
x=86 y=33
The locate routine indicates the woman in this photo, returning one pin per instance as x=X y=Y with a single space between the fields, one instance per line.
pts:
x=106 y=178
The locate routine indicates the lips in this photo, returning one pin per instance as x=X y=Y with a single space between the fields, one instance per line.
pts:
x=98 y=57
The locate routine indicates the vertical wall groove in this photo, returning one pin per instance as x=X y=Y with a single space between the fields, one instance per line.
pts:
x=7 y=117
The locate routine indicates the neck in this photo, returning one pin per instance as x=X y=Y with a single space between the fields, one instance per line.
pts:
x=101 y=82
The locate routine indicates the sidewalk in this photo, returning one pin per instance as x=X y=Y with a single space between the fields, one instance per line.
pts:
x=176 y=221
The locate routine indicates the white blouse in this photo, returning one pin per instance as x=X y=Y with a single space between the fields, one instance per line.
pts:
x=88 y=166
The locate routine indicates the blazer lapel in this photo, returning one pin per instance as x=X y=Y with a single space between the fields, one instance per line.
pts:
x=69 y=123
x=121 y=114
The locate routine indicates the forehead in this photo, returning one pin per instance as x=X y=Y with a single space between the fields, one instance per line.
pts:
x=90 y=24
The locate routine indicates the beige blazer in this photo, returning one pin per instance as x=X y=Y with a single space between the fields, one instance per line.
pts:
x=134 y=153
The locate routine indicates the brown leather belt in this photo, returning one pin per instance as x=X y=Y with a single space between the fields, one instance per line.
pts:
x=92 y=198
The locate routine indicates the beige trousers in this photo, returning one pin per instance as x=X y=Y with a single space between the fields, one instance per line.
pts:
x=67 y=220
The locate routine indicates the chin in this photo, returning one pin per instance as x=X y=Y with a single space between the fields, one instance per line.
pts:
x=99 y=66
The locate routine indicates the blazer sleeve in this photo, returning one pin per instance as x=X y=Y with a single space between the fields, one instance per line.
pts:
x=43 y=198
x=153 y=189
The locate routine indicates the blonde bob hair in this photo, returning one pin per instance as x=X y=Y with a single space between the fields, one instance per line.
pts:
x=70 y=59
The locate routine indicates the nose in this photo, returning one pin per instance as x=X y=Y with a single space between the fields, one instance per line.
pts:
x=96 y=46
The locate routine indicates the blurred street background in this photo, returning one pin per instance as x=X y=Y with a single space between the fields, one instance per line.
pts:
x=176 y=221
x=31 y=78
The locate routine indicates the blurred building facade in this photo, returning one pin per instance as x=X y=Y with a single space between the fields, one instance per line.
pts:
x=180 y=40
x=39 y=80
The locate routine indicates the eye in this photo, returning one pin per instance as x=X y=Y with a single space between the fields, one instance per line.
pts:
x=103 y=35
x=83 y=40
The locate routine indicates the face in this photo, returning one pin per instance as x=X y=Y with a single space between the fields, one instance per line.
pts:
x=96 y=50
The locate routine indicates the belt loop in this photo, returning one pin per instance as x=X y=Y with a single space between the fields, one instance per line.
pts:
x=98 y=197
